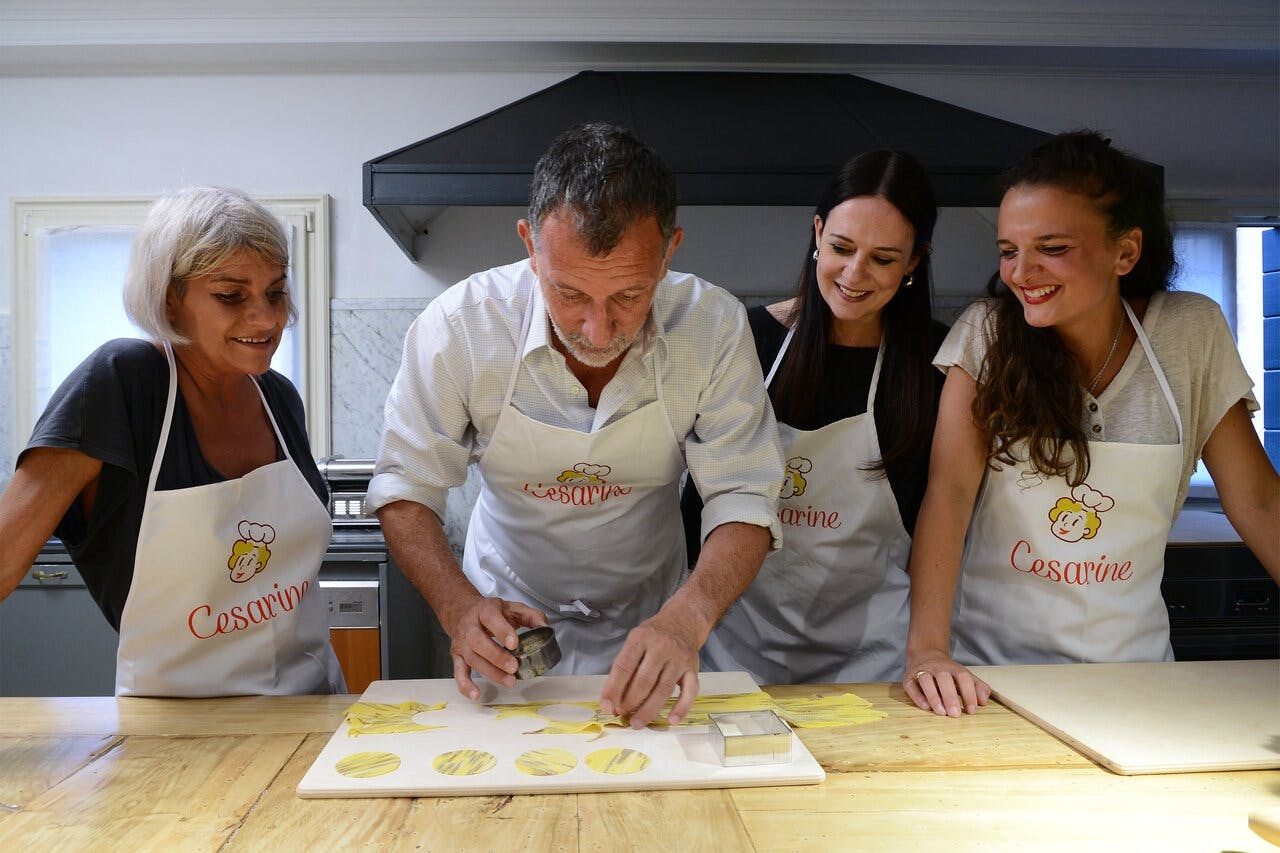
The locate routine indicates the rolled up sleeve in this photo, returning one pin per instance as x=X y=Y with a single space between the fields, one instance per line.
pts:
x=427 y=434
x=734 y=453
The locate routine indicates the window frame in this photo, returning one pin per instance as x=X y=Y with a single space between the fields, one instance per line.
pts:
x=1225 y=217
x=307 y=215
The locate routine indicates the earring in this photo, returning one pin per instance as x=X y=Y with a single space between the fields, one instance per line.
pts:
x=815 y=254
x=909 y=280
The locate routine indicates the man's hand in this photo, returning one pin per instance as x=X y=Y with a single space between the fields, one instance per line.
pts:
x=483 y=638
x=660 y=653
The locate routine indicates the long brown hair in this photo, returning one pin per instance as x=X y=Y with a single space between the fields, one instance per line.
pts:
x=1027 y=388
x=909 y=412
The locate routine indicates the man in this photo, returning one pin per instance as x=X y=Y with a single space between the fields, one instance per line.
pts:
x=583 y=381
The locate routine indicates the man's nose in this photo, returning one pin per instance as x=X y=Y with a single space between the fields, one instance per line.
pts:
x=598 y=326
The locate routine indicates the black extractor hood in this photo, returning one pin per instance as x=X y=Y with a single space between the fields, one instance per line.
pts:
x=730 y=137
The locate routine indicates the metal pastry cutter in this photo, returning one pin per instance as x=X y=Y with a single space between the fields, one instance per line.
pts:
x=536 y=652
x=750 y=737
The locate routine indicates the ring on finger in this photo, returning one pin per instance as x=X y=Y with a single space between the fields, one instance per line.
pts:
x=920 y=672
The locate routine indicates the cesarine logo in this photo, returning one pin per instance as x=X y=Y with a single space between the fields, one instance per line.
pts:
x=582 y=485
x=794 y=484
x=249 y=554
x=249 y=557
x=1079 y=516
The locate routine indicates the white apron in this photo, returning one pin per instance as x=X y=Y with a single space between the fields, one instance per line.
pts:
x=832 y=605
x=1052 y=574
x=583 y=526
x=224 y=600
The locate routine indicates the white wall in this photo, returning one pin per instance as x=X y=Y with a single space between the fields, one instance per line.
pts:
x=82 y=136
x=286 y=133
x=68 y=136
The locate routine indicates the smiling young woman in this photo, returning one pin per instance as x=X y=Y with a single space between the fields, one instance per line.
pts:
x=1079 y=398
x=848 y=373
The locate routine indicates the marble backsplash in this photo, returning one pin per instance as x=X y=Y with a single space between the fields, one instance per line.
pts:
x=367 y=341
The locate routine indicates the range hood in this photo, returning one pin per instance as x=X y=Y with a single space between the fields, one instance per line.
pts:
x=731 y=138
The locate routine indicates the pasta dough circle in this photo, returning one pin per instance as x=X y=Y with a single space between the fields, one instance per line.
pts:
x=363 y=765
x=546 y=762
x=617 y=762
x=464 y=762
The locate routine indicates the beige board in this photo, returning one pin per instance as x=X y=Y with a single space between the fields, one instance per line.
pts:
x=681 y=757
x=1135 y=718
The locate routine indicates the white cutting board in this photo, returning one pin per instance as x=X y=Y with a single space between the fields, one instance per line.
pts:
x=1152 y=717
x=682 y=757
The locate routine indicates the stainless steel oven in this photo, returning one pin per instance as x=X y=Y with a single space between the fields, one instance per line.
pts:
x=410 y=642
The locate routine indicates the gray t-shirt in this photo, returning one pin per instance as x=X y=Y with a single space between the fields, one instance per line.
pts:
x=1193 y=344
x=112 y=407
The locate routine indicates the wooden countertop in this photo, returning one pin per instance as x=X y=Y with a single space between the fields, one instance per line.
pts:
x=219 y=774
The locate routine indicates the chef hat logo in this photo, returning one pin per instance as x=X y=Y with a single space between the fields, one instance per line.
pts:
x=249 y=554
x=794 y=483
x=264 y=533
x=1029 y=478
x=1079 y=516
x=585 y=473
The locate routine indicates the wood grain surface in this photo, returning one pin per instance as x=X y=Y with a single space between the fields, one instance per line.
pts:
x=219 y=775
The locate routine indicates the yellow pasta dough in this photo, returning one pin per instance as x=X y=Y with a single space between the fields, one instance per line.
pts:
x=617 y=762
x=546 y=762
x=363 y=765
x=464 y=762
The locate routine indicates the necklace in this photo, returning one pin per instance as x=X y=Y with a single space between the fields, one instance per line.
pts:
x=1110 y=353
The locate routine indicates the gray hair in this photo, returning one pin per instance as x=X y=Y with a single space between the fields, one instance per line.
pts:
x=188 y=234
x=605 y=179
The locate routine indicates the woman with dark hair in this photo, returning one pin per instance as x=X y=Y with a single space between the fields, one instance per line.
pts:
x=1079 y=397
x=848 y=369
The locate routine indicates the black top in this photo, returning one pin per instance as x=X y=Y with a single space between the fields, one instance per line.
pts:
x=846 y=382
x=111 y=407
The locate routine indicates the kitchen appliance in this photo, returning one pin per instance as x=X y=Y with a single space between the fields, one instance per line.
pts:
x=379 y=624
x=1222 y=603
x=54 y=640
x=729 y=138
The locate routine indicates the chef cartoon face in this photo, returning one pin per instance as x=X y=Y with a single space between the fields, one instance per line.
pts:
x=585 y=474
x=1078 y=517
x=249 y=555
x=794 y=484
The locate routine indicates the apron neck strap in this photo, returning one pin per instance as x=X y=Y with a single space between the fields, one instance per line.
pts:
x=1155 y=367
x=875 y=373
x=170 y=405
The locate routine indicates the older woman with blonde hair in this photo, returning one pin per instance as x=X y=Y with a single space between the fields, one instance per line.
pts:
x=177 y=471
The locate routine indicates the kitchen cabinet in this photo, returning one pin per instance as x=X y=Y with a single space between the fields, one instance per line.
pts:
x=53 y=638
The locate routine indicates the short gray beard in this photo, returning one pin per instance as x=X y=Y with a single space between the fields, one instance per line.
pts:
x=581 y=349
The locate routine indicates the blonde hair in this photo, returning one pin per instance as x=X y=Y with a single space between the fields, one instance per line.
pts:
x=1091 y=520
x=192 y=233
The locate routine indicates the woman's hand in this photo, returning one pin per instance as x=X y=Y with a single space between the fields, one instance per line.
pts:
x=937 y=683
